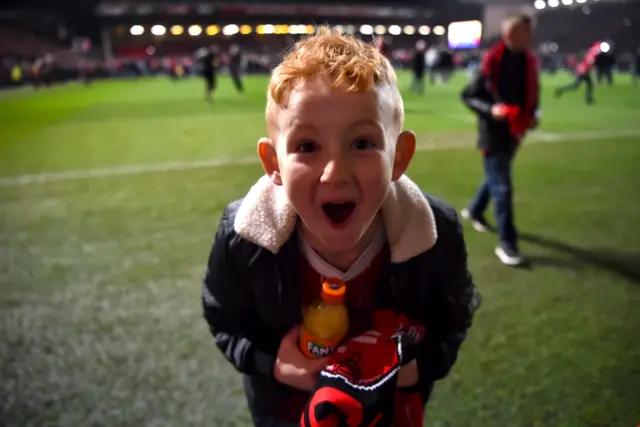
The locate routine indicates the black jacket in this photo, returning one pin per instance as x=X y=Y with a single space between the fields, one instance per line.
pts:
x=494 y=135
x=210 y=63
x=251 y=299
x=418 y=62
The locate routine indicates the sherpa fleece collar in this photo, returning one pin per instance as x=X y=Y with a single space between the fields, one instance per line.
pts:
x=266 y=218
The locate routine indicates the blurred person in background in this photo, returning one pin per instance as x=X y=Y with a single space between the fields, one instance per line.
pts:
x=418 y=66
x=635 y=67
x=571 y=63
x=504 y=94
x=583 y=75
x=431 y=59
x=603 y=64
x=180 y=71
x=141 y=67
x=384 y=46
x=236 y=66
x=472 y=63
x=445 y=64
x=170 y=65
x=16 y=74
x=547 y=60
x=85 y=70
x=37 y=72
x=48 y=69
x=209 y=61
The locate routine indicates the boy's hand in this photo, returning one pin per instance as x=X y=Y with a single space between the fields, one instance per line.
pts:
x=499 y=111
x=408 y=375
x=292 y=367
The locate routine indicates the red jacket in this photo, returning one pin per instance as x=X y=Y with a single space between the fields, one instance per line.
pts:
x=586 y=64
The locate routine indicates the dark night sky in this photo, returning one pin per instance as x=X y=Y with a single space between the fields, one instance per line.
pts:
x=79 y=14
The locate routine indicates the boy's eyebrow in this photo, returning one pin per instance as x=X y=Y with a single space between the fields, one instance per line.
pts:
x=367 y=122
x=297 y=124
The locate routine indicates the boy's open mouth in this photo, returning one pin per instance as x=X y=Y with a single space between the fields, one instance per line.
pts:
x=338 y=212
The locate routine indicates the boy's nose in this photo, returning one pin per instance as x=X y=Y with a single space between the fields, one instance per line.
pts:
x=336 y=171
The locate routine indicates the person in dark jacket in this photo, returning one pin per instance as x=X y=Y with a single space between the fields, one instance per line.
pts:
x=446 y=64
x=210 y=61
x=334 y=202
x=635 y=66
x=418 y=66
x=504 y=95
x=236 y=66
x=603 y=63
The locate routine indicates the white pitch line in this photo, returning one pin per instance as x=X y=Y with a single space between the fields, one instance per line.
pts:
x=42 y=178
x=536 y=137
x=547 y=136
x=464 y=118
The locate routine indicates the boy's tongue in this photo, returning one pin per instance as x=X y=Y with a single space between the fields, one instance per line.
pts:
x=338 y=212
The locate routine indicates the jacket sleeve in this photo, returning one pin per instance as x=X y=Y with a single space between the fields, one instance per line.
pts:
x=229 y=305
x=537 y=112
x=451 y=309
x=476 y=96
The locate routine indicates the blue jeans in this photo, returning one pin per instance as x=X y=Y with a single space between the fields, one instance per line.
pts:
x=583 y=78
x=498 y=185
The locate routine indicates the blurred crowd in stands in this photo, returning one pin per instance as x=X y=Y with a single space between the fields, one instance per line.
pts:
x=27 y=60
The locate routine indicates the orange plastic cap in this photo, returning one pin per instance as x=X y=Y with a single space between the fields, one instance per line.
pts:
x=333 y=291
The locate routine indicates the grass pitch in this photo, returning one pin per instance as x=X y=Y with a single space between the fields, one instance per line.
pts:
x=111 y=194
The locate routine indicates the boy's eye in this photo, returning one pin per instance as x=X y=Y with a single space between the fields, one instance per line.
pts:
x=307 y=147
x=363 y=144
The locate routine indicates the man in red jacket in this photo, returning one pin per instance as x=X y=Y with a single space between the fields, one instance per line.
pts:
x=504 y=94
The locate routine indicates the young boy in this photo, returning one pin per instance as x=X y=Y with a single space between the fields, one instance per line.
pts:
x=334 y=202
x=504 y=94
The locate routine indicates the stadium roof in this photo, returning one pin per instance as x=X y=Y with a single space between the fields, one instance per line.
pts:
x=353 y=8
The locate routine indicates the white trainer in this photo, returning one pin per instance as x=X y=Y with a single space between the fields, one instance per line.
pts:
x=478 y=224
x=508 y=256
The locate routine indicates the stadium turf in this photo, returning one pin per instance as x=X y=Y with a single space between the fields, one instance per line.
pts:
x=110 y=196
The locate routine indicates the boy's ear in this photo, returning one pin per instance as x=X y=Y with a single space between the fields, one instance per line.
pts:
x=269 y=159
x=405 y=149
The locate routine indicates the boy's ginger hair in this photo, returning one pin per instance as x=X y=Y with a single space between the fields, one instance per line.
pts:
x=350 y=64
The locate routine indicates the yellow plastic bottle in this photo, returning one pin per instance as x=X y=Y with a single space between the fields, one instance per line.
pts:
x=326 y=321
